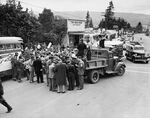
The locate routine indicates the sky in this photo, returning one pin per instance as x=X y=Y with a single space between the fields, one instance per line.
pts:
x=130 y=6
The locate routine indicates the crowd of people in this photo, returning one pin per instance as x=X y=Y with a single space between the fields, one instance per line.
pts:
x=64 y=69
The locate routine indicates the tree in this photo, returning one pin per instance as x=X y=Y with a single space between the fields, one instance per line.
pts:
x=16 y=22
x=110 y=22
x=88 y=22
x=46 y=18
x=139 y=28
x=60 y=29
x=109 y=15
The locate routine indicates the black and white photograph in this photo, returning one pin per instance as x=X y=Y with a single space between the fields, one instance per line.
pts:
x=74 y=59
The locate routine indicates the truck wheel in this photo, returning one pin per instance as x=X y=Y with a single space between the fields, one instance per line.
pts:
x=121 y=71
x=94 y=76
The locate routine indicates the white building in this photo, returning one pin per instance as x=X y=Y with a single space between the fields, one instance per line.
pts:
x=75 y=31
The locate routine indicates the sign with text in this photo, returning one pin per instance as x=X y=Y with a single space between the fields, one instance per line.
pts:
x=75 y=25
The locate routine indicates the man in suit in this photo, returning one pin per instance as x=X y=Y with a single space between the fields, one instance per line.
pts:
x=2 y=100
x=37 y=64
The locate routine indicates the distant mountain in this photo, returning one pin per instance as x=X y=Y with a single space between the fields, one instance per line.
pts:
x=132 y=18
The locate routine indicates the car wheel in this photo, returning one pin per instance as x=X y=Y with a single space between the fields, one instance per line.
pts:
x=146 y=62
x=121 y=71
x=133 y=59
x=94 y=76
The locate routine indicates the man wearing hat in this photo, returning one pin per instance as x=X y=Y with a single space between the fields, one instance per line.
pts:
x=79 y=64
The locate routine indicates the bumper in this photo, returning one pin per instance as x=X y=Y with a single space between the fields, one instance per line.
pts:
x=142 y=59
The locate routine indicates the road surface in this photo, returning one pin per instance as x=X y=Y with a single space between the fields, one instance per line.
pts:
x=127 y=96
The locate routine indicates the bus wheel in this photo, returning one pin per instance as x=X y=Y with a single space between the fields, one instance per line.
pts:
x=94 y=76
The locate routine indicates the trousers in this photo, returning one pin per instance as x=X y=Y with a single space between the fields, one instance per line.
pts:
x=4 y=103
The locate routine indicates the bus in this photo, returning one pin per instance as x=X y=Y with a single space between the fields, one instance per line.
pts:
x=8 y=47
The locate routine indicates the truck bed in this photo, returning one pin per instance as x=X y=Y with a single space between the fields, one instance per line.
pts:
x=96 y=63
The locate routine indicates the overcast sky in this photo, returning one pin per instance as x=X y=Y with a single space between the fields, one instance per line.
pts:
x=133 y=6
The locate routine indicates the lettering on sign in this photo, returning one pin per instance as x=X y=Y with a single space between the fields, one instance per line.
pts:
x=76 y=23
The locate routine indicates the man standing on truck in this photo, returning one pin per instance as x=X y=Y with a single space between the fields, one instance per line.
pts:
x=81 y=49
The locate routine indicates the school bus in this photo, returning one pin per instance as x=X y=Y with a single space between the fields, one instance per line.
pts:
x=8 y=47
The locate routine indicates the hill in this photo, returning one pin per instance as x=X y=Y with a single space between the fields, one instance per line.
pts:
x=132 y=18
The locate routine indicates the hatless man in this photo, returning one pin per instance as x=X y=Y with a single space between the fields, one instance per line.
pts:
x=81 y=49
x=37 y=64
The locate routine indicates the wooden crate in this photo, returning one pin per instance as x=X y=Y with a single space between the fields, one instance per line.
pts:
x=91 y=64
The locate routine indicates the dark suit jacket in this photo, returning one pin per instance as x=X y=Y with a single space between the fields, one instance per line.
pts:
x=1 y=89
x=37 y=64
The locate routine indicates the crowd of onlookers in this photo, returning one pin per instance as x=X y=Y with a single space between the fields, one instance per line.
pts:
x=64 y=68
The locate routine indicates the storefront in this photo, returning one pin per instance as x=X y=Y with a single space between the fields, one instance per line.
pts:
x=75 y=31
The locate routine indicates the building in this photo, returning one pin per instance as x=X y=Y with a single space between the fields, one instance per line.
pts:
x=75 y=31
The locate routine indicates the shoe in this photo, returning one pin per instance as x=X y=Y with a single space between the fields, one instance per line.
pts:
x=19 y=81
x=79 y=88
x=9 y=110
x=14 y=79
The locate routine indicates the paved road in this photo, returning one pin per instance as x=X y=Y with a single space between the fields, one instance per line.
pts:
x=112 y=97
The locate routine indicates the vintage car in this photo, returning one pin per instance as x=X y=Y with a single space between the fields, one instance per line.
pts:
x=103 y=62
x=136 y=52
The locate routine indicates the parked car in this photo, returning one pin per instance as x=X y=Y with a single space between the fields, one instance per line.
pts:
x=135 y=52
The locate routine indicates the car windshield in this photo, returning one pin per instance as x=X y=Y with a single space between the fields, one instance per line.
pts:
x=138 y=48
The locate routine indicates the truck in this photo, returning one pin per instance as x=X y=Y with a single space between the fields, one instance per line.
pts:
x=103 y=62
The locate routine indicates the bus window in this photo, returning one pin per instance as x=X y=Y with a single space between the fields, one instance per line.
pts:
x=1 y=47
x=8 y=46
x=18 y=46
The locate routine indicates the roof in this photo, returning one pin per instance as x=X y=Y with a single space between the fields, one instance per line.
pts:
x=10 y=40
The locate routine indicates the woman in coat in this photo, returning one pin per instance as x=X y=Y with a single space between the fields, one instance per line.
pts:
x=60 y=76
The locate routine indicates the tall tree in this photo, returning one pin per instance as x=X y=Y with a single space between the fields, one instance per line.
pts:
x=109 y=15
x=88 y=22
x=16 y=22
x=46 y=18
x=60 y=29
x=139 y=28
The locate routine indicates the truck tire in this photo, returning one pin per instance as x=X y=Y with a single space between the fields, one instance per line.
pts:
x=121 y=71
x=94 y=76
